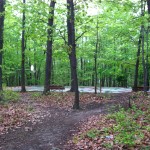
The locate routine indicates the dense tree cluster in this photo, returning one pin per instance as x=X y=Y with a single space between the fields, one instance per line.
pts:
x=105 y=42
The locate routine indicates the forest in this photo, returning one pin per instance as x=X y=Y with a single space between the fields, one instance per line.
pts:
x=76 y=43
x=109 y=36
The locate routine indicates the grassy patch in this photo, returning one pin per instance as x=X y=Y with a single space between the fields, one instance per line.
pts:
x=35 y=95
x=8 y=96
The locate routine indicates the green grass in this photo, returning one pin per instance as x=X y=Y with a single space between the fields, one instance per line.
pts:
x=7 y=96
x=126 y=128
x=36 y=95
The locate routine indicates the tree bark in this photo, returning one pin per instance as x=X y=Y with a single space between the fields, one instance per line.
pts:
x=81 y=62
x=143 y=49
x=2 y=9
x=72 y=45
x=137 y=64
x=23 y=47
x=95 y=58
x=72 y=89
x=143 y=62
x=69 y=28
x=147 y=57
x=148 y=5
x=48 y=66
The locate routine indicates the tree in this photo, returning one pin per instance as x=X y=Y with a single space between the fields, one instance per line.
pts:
x=137 y=64
x=78 y=19
x=95 y=56
x=48 y=68
x=141 y=45
x=23 y=47
x=145 y=69
x=72 y=47
x=148 y=5
x=118 y=25
x=2 y=9
x=147 y=55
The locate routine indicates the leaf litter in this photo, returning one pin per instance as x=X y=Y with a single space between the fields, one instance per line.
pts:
x=96 y=133
x=99 y=132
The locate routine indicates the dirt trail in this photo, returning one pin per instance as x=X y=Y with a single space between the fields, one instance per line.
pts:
x=54 y=130
x=51 y=134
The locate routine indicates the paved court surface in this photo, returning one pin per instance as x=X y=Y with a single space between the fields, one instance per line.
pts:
x=88 y=89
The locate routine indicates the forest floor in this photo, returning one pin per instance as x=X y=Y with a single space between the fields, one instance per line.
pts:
x=37 y=122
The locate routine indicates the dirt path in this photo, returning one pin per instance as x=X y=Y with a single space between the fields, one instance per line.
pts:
x=53 y=132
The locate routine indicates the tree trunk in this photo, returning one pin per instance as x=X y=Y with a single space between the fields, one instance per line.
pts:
x=52 y=73
x=23 y=47
x=95 y=58
x=143 y=62
x=2 y=9
x=48 y=66
x=72 y=45
x=147 y=57
x=81 y=81
x=93 y=74
x=143 y=50
x=100 y=83
x=137 y=64
x=69 y=28
x=109 y=81
x=148 y=5
x=72 y=89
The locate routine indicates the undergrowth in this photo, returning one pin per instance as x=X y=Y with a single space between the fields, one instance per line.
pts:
x=8 y=96
x=125 y=129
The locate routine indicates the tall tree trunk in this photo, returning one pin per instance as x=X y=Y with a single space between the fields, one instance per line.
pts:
x=143 y=50
x=48 y=66
x=72 y=45
x=143 y=62
x=2 y=9
x=69 y=28
x=137 y=63
x=147 y=57
x=95 y=58
x=23 y=47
